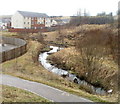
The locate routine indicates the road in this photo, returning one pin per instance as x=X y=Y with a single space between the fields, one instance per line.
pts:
x=50 y=93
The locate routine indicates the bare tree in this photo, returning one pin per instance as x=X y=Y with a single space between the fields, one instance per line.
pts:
x=61 y=35
x=40 y=38
x=92 y=51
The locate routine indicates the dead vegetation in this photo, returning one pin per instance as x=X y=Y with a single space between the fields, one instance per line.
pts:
x=27 y=67
x=94 y=55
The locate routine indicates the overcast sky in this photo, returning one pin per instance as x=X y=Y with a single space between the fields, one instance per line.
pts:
x=58 y=7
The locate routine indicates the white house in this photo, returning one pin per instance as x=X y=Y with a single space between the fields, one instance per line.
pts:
x=30 y=20
x=53 y=22
x=60 y=20
x=5 y=21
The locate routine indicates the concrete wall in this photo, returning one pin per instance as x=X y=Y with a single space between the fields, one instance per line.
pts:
x=16 y=52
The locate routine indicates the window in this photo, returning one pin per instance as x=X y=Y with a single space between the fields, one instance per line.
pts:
x=32 y=27
x=32 y=22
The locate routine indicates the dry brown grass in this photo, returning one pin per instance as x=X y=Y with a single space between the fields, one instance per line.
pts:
x=74 y=32
x=25 y=67
x=70 y=59
x=51 y=36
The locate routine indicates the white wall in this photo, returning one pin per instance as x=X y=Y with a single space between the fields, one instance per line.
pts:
x=51 y=22
x=27 y=22
x=54 y=22
x=17 y=20
x=48 y=22
x=40 y=20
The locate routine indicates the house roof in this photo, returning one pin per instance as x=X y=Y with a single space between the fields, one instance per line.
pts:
x=58 y=20
x=5 y=18
x=32 y=14
x=66 y=20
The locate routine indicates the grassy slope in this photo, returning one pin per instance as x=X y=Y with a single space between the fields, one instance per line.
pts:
x=24 y=67
x=12 y=94
x=69 y=57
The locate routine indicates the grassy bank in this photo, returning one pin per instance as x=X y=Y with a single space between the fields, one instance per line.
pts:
x=12 y=94
x=87 y=59
x=26 y=67
x=69 y=59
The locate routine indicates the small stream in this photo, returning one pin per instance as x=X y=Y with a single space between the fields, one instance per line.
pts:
x=61 y=72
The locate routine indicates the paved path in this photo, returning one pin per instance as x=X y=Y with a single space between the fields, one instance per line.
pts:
x=45 y=91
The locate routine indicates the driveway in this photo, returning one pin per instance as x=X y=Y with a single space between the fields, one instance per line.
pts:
x=50 y=93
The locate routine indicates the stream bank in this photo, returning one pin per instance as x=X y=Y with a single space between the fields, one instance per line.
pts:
x=68 y=59
x=64 y=73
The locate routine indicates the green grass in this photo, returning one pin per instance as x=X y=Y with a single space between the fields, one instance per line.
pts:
x=12 y=94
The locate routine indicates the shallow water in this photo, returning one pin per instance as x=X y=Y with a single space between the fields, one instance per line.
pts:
x=71 y=77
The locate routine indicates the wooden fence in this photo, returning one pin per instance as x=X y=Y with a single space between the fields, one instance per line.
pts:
x=13 y=53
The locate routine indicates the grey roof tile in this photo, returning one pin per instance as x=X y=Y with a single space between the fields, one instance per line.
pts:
x=32 y=14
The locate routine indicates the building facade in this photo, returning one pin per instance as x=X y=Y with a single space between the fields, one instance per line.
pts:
x=5 y=22
x=30 y=20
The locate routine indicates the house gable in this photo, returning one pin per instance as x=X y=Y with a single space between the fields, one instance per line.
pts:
x=17 y=20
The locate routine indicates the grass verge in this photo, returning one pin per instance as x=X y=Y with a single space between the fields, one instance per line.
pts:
x=12 y=94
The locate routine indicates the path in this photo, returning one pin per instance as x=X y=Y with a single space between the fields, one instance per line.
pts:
x=45 y=91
